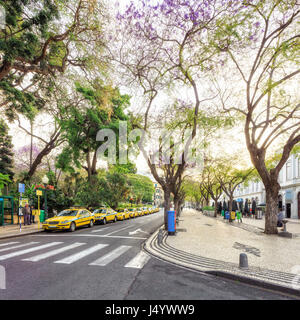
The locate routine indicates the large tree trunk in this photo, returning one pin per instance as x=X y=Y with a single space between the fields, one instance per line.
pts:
x=167 y=205
x=271 y=218
x=48 y=148
x=216 y=207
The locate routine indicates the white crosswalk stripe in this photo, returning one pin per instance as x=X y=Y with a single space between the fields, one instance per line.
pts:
x=21 y=252
x=83 y=250
x=18 y=246
x=53 y=252
x=138 y=261
x=7 y=244
x=77 y=256
x=103 y=261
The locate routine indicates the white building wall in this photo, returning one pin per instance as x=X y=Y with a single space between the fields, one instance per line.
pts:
x=289 y=179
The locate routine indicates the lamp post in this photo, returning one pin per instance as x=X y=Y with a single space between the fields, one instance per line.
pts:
x=45 y=181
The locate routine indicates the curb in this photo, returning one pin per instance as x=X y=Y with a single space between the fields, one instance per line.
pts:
x=235 y=277
x=19 y=234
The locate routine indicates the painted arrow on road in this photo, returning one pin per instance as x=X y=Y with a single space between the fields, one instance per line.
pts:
x=137 y=231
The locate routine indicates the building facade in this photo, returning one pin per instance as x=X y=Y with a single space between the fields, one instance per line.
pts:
x=158 y=197
x=289 y=195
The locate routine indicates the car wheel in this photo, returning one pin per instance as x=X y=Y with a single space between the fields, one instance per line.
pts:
x=124 y=218
x=72 y=227
x=104 y=221
x=91 y=223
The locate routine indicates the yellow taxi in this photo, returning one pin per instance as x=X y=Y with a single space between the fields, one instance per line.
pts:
x=104 y=215
x=123 y=214
x=69 y=219
x=153 y=210
x=133 y=212
x=140 y=212
x=146 y=210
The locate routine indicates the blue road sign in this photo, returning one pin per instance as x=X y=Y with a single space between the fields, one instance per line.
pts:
x=21 y=188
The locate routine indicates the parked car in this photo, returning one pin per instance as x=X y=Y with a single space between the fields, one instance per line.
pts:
x=133 y=212
x=140 y=212
x=123 y=214
x=146 y=210
x=69 y=219
x=104 y=215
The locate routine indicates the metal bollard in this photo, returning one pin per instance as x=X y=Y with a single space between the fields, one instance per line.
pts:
x=243 y=261
x=160 y=236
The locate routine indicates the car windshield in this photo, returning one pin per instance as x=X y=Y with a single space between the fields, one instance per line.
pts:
x=131 y=209
x=65 y=213
x=100 y=211
x=120 y=210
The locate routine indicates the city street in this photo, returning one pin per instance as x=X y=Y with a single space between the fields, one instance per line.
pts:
x=106 y=263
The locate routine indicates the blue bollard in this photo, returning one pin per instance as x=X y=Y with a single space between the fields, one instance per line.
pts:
x=227 y=215
x=171 y=222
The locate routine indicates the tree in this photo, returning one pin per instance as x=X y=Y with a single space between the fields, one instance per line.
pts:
x=114 y=189
x=4 y=180
x=141 y=187
x=211 y=184
x=41 y=40
x=167 y=45
x=6 y=152
x=271 y=108
x=100 y=107
x=229 y=177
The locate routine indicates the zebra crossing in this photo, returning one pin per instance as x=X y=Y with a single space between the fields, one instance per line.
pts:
x=15 y=249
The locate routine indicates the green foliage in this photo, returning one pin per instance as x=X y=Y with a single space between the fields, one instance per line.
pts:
x=142 y=187
x=209 y=208
x=6 y=151
x=114 y=189
x=4 y=180
x=104 y=110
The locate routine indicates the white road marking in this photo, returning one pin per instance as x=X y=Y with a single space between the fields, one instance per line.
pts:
x=92 y=235
x=18 y=246
x=103 y=261
x=81 y=254
x=7 y=244
x=100 y=230
x=53 y=252
x=138 y=261
x=18 y=253
x=137 y=231
x=117 y=230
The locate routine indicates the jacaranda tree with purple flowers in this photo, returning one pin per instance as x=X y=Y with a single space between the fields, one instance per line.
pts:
x=171 y=45
x=267 y=63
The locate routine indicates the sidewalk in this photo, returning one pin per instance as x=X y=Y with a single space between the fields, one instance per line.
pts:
x=213 y=245
x=11 y=231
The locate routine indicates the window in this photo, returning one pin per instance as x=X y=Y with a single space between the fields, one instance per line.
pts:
x=289 y=170
x=299 y=167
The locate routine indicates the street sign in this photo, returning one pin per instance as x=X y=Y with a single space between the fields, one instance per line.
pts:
x=23 y=201
x=21 y=188
x=39 y=192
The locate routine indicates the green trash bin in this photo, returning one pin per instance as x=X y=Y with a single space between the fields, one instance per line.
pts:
x=42 y=216
x=222 y=213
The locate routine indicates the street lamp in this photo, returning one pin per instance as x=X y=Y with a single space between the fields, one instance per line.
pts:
x=45 y=181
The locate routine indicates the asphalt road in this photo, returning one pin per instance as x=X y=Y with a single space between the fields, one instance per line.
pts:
x=106 y=263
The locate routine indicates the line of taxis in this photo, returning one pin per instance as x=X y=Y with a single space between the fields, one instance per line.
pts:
x=75 y=217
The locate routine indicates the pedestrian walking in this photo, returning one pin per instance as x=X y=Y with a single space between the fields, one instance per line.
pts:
x=31 y=214
x=26 y=214
x=253 y=206
x=279 y=219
